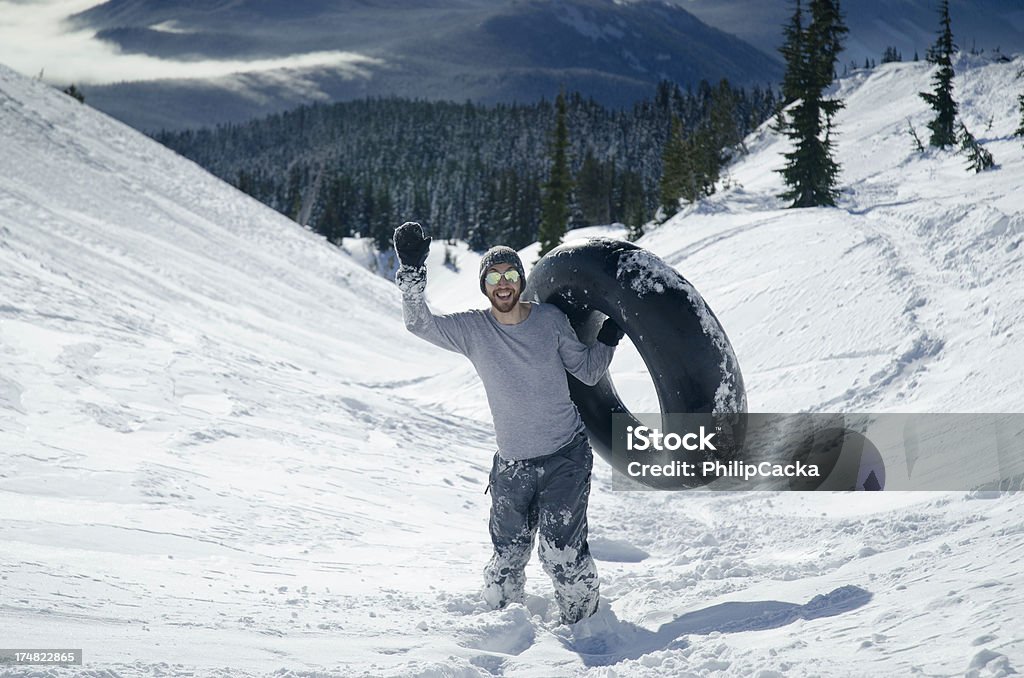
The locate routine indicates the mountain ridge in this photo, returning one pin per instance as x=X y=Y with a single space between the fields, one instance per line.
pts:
x=487 y=53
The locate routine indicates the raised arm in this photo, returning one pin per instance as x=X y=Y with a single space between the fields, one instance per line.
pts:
x=588 y=363
x=445 y=331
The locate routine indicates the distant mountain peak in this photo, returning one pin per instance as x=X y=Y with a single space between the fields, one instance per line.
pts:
x=611 y=50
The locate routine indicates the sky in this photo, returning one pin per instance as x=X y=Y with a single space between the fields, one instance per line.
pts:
x=34 y=39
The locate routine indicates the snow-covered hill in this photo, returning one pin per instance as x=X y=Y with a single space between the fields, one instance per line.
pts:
x=908 y=297
x=223 y=454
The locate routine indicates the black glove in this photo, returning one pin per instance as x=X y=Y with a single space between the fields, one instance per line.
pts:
x=610 y=333
x=411 y=245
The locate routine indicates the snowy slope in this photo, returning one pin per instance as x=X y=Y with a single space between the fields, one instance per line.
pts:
x=223 y=455
x=890 y=302
x=193 y=393
x=885 y=303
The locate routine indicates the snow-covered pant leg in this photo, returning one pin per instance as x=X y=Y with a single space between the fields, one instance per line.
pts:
x=563 y=495
x=513 y=524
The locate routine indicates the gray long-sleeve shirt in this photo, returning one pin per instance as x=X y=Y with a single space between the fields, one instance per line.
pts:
x=522 y=367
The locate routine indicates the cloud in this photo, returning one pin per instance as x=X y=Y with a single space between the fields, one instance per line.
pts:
x=292 y=83
x=34 y=38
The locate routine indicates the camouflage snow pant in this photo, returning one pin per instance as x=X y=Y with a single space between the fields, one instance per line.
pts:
x=549 y=493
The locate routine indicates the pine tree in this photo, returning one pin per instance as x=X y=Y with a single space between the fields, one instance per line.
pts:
x=555 y=208
x=74 y=92
x=294 y=195
x=245 y=182
x=979 y=158
x=943 y=125
x=891 y=55
x=724 y=128
x=480 y=235
x=705 y=161
x=793 y=54
x=824 y=41
x=382 y=227
x=811 y=173
x=1020 y=103
x=420 y=205
x=674 y=169
x=593 y=191
x=692 y=165
x=478 y=240
x=630 y=202
x=333 y=220
x=630 y=206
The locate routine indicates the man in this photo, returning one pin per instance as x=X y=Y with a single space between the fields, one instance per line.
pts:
x=540 y=477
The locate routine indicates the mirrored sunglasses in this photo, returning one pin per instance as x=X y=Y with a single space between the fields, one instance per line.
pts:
x=511 y=275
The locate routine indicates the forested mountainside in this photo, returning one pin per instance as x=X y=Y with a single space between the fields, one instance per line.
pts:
x=464 y=170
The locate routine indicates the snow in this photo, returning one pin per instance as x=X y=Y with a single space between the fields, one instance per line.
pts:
x=224 y=455
x=584 y=26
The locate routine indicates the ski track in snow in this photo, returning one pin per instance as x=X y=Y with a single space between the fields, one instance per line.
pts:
x=224 y=456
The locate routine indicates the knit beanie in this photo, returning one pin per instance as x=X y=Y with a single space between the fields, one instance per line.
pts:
x=500 y=254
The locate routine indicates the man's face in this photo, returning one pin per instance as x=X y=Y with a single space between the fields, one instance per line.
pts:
x=505 y=295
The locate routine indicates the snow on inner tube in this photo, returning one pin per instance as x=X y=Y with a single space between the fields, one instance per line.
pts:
x=687 y=353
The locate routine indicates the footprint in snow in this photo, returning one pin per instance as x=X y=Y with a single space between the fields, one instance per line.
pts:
x=507 y=631
x=616 y=551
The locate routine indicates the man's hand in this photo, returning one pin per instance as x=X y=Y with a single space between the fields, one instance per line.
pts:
x=610 y=333
x=411 y=244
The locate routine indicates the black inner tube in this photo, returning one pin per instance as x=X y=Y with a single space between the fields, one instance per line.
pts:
x=687 y=353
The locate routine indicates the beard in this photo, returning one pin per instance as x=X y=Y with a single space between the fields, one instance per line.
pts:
x=504 y=305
